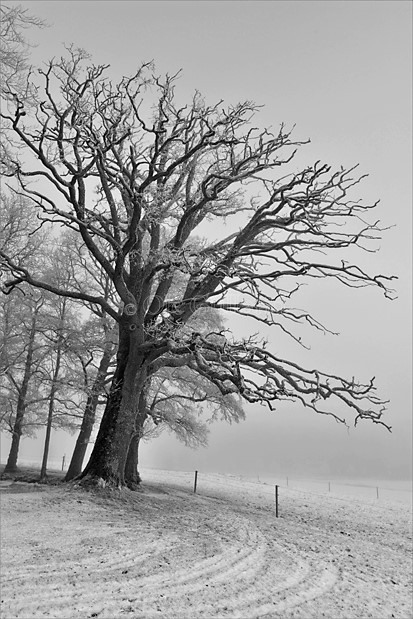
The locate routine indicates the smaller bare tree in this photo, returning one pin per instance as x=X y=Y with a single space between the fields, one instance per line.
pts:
x=23 y=353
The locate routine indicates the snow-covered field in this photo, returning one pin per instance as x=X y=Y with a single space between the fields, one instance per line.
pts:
x=167 y=552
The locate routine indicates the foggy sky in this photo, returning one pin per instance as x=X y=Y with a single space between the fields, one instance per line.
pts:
x=341 y=72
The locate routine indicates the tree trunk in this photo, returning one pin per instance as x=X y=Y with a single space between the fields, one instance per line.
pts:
x=43 y=470
x=76 y=463
x=53 y=390
x=132 y=477
x=108 y=458
x=11 y=466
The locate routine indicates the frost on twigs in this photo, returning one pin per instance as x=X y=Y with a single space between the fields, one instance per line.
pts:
x=139 y=178
x=250 y=369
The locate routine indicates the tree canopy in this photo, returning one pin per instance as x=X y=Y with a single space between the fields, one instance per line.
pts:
x=187 y=208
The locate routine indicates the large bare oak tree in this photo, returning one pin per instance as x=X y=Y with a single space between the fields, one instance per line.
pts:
x=141 y=178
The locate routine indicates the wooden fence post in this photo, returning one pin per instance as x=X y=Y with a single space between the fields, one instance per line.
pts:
x=196 y=480
x=276 y=501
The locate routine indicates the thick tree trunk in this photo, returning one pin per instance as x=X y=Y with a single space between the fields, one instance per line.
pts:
x=11 y=466
x=108 y=458
x=76 y=463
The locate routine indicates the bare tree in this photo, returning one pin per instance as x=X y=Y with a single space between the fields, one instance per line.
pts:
x=61 y=394
x=63 y=335
x=98 y=341
x=21 y=321
x=14 y=63
x=20 y=236
x=23 y=352
x=94 y=382
x=144 y=183
x=14 y=48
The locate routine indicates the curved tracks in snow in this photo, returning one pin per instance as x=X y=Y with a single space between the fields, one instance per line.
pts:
x=159 y=553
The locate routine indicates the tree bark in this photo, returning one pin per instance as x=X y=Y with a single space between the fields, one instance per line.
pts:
x=76 y=463
x=11 y=466
x=132 y=477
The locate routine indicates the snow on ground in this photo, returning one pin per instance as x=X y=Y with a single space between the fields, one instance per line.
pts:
x=167 y=552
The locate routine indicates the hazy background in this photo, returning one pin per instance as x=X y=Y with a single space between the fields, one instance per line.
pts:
x=341 y=72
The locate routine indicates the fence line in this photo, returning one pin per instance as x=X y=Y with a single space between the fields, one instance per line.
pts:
x=328 y=484
x=223 y=479
x=267 y=488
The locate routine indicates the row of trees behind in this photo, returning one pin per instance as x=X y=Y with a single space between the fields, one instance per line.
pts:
x=57 y=355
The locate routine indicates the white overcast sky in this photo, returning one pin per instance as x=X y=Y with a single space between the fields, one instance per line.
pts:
x=341 y=72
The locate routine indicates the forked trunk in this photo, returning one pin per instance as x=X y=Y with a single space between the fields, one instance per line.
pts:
x=82 y=441
x=76 y=463
x=108 y=459
x=132 y=477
